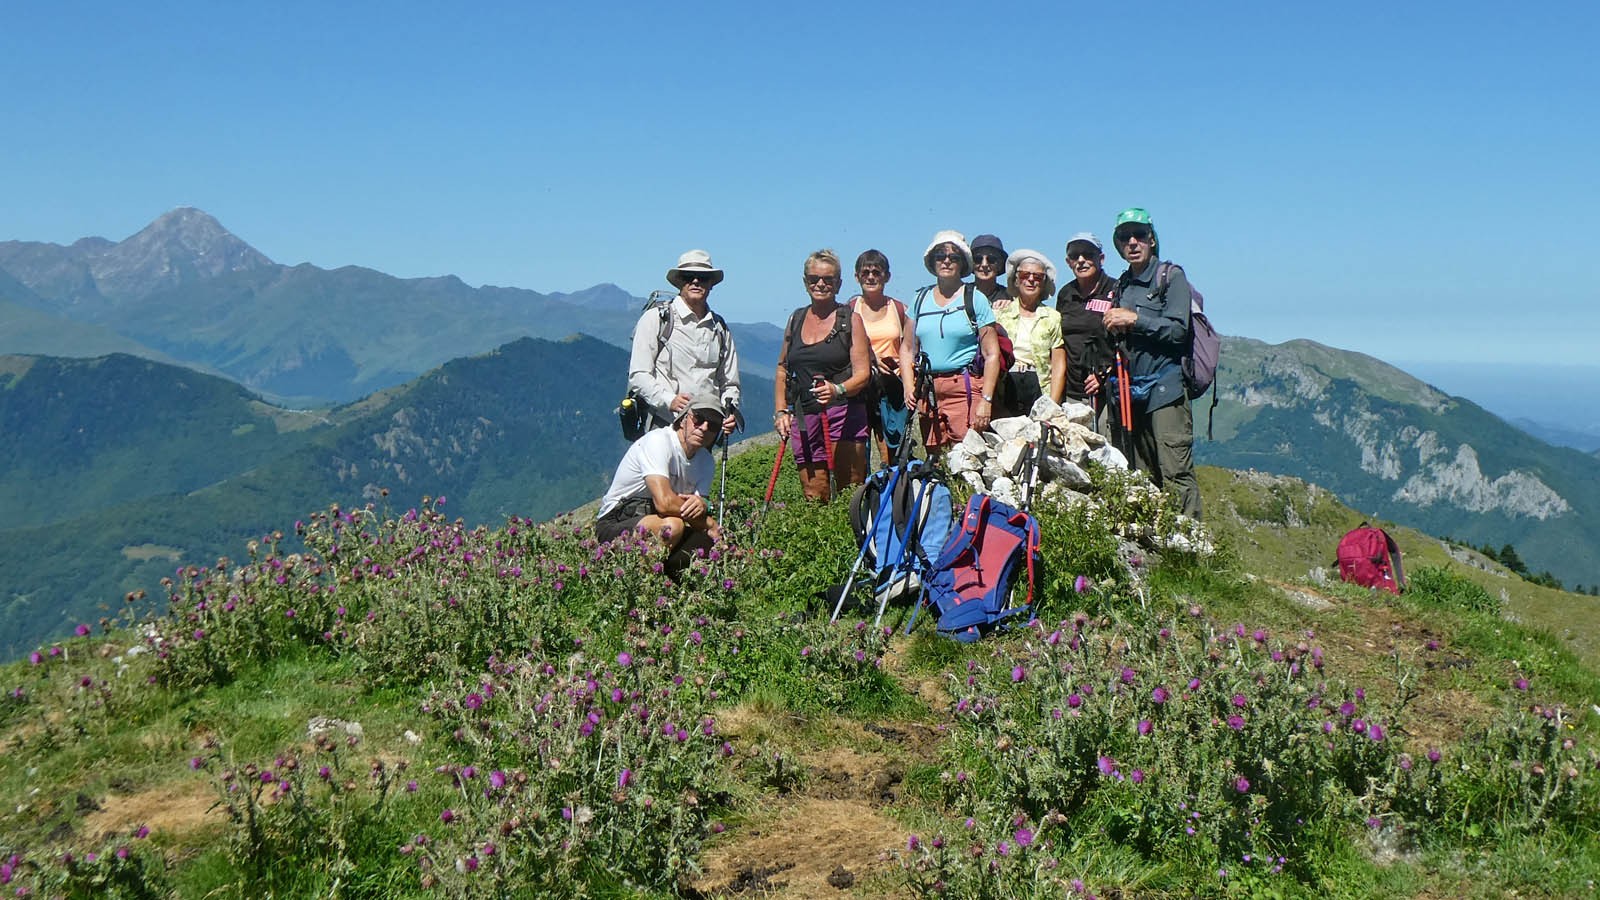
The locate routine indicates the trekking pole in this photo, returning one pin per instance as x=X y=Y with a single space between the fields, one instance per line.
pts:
x=722 y=492
x=777 y=461
x=1124 y=393
x=827 y=446
x=850 y=582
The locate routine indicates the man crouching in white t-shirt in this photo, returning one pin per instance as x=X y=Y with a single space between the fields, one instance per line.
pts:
x=661 y=486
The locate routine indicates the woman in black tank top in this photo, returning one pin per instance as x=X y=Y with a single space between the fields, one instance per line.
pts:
x=823 y=367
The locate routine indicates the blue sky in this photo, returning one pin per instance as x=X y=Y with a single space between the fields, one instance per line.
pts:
x=1414 y=181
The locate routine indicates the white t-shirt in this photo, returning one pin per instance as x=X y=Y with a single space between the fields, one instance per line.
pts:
x=659 y=452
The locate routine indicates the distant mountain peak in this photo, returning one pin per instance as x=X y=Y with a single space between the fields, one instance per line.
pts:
x=180 y=246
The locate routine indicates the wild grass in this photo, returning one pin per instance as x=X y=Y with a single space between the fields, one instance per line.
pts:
x=404 y=706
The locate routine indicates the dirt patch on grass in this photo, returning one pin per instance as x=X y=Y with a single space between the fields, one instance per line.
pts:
x=172 y=809
x=809 y=848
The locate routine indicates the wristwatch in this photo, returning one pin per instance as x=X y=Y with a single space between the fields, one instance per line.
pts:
x=986 y=398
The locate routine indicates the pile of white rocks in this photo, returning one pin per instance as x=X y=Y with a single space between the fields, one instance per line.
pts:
x=997 y=461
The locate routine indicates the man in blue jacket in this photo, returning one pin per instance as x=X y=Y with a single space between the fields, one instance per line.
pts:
x=1151 y=327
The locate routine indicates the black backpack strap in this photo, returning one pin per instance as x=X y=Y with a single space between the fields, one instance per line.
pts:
x=966 y=301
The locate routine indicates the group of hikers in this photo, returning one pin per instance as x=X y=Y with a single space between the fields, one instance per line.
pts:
x=960 y=354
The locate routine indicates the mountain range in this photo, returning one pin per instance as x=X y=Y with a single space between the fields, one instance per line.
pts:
x=185 y=289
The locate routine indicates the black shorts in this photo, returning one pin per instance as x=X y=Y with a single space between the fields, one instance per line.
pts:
x=623 y=518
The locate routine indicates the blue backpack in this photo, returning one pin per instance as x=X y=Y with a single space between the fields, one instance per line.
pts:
x=901 y=517
x=970 y=584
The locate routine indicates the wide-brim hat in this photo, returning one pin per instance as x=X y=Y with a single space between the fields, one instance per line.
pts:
x=947 y=237
x=1016 y=259
x=697 y=261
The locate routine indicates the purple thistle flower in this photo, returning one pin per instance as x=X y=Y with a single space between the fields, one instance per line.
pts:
x=1081 y=584
x=1106 y=764
x=497 y=779
x=1520 y=684
x=624 y=659
x=1144 y=727
x=288 y=613
x=1074 y=701
x=1347 y=709
x=1241 y=701
x=35 y=657
x=142 y=833
x=1018 y=673
x=1137 y=776
x=473 y=701
x=447 y=816
x=1194 y=684
x=1433 y=754
x=912 y=843
x=81 y=630
x=1359 y=726
x=1375 y=732
x=1236 y=722
x=1023 y=836
x=624 y=778
x=1159 y=695
x=1241 y=784
x=1128 y=675
x=324 y=773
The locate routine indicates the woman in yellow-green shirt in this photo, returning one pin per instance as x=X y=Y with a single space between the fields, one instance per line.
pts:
x=1035 y=331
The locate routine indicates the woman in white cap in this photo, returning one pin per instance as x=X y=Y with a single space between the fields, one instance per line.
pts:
x=682 y=349
x=954 y=330
x=1035 y=331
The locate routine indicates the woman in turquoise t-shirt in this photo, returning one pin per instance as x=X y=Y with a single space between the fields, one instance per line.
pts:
x=954 y=328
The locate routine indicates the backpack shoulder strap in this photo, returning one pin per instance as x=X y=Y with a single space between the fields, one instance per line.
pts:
x=664 y=325
x=916 y=304
x=966 y=301
x=791 y=334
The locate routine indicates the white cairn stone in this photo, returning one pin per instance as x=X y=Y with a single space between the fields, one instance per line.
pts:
x=1109 y=456
x=974 y=444
x=1043 y=410
x=1078 y=413
x=959 y=460
x=1015 y=428
x=1062 y=469
x=1010 y=456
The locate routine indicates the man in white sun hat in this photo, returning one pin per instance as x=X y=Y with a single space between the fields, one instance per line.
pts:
x=683 y=350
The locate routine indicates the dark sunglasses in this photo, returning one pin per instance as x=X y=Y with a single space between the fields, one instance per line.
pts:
x=947 y=256
x=696 y=278
x=1091 y=255
x=870 y=273
x=1030 y=276
x=814 y=280
x=1140 y=234
x=990 y=258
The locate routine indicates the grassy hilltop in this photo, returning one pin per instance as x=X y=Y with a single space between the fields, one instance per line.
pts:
x=410 y=707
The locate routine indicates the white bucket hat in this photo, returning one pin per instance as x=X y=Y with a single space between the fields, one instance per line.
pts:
x=948 y=237
x=693 y=261
x=1019 y=257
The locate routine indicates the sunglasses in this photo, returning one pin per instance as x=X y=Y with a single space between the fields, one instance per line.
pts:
x=814 y=280
x=1090 y=255
x=862 y=274
x=1140 y=234
x=1030 y=276
x=947 y=256
x=989 y=258
x=695 y=278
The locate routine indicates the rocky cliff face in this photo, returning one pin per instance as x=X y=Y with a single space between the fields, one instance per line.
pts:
x=1381 y=417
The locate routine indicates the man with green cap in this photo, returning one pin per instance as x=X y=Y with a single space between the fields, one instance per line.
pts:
x=1150 y=324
